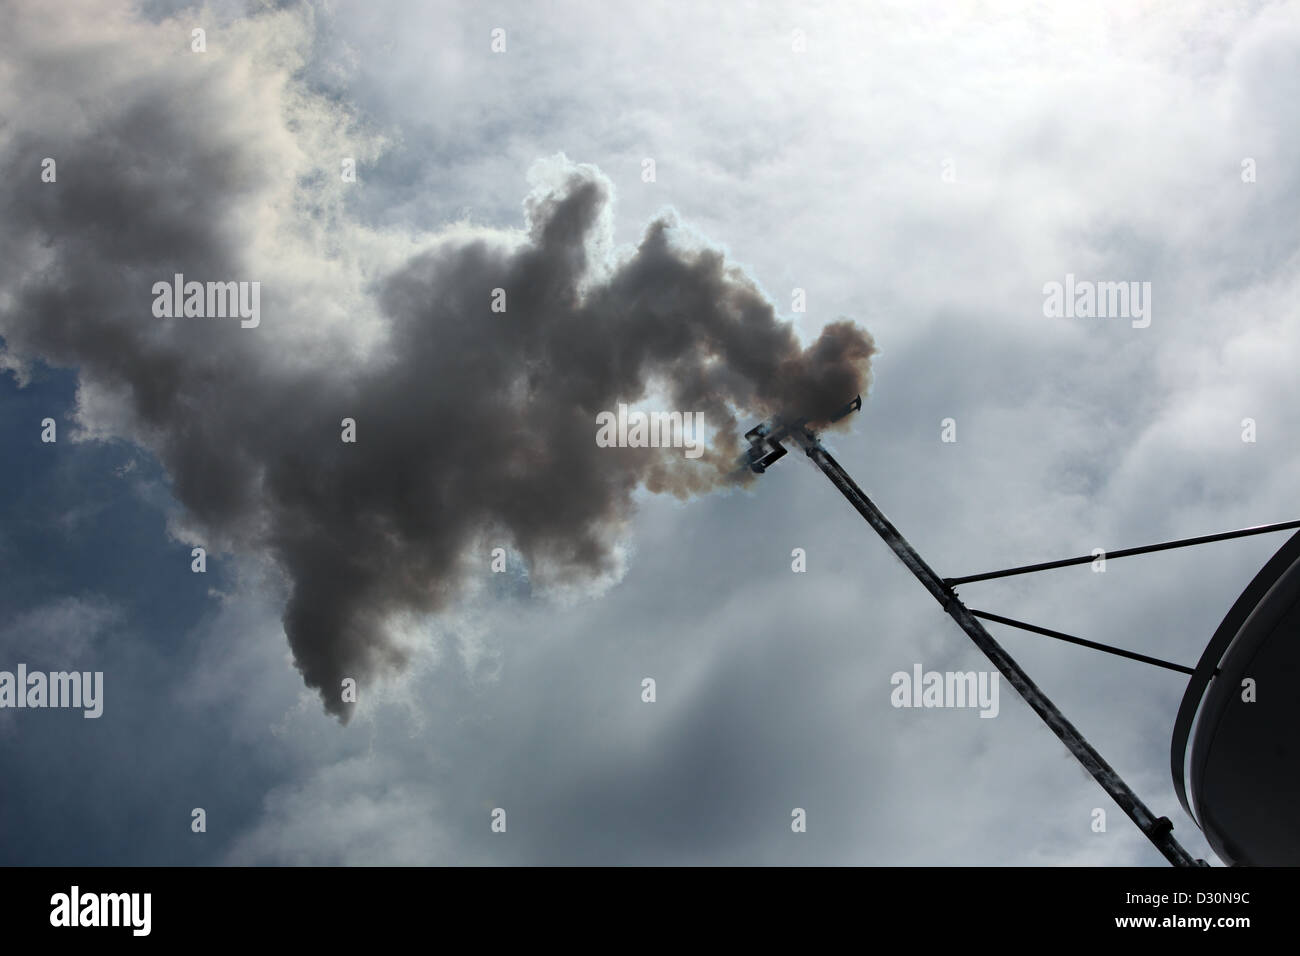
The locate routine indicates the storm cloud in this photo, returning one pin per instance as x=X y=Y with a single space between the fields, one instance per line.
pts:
x=475 y=427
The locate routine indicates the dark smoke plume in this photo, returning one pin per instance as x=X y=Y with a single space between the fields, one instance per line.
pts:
x=474 y=428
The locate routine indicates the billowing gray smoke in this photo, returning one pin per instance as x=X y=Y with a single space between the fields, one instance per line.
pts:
x=473 y=426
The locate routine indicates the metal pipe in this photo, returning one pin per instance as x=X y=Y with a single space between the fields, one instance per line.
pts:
x=1157 y=829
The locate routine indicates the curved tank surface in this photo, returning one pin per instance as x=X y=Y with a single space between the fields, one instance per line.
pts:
x=1235 y=755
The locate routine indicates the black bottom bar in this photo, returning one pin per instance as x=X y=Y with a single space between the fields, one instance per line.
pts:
x=372 y=908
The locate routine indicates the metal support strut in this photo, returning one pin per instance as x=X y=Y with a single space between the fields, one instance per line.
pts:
x=1125 y=553
x=1071 y=639
x=1157 y=829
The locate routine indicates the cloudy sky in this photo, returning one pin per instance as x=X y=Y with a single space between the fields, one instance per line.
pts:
x=921 y=171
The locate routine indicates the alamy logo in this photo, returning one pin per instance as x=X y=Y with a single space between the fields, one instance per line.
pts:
x=651 y=430
x=1098 y=300
x=102 y=909
x=55 y=689
x=946 y=689
x=211 y=300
